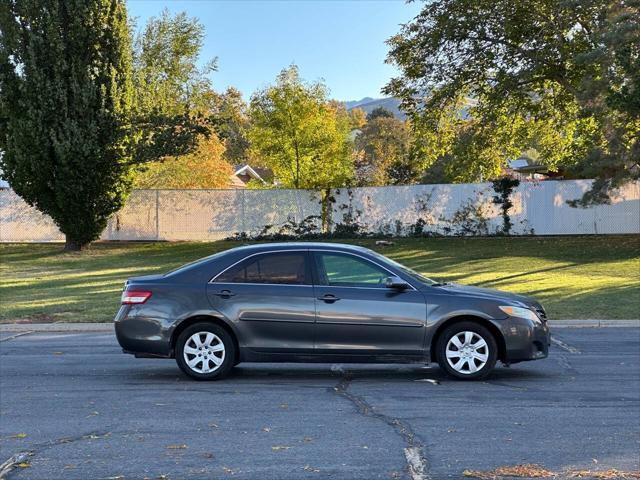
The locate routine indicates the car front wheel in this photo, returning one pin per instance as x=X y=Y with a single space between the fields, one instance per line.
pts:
x=467 y=351
x=205 y=351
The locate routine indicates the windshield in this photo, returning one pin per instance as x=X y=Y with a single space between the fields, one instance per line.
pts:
x=409 y=271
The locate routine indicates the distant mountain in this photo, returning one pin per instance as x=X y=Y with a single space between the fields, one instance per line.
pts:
x=368 y=104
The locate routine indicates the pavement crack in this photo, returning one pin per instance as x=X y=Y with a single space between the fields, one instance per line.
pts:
x=564 y=346
x=65 y=440
x=6 y=339
x=9 y=465
x=414 y=452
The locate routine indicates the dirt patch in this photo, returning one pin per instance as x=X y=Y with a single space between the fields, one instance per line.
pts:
x=538 y=471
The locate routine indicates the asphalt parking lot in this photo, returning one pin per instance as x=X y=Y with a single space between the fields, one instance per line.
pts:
x=82 y=409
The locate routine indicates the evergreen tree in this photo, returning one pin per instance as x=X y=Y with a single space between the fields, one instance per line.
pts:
x=66 y=97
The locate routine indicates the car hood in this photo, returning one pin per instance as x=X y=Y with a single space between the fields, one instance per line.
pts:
x=488 y=293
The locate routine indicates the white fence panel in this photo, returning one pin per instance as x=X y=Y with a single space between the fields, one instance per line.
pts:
x=539 y=207
x=21 y=223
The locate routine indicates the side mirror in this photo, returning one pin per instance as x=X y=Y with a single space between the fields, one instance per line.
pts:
x=396 y=282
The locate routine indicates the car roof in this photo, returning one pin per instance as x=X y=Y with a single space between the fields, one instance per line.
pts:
x=271 y=246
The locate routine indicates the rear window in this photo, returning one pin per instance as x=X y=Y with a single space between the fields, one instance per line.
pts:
x=274 y=268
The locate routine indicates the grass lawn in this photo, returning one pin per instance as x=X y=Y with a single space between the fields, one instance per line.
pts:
x=574 y=277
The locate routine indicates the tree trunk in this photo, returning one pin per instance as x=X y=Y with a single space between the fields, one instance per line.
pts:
x=325 y=201
x=74 y=246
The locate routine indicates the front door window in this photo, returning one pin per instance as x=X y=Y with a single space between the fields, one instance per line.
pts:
x=343 y=270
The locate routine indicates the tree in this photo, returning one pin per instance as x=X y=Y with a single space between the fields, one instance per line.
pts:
x=300 y=135
x=379 y=112
x=204 y=168
x=230 y=119
x=357 y=118
x=66 y=98
x=385 y=156
x=174 y=96
x=483 y=80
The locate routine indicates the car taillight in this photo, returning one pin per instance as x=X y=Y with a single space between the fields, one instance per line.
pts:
x=135 y=297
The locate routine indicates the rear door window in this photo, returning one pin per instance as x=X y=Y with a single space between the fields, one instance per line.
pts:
x=285 y=268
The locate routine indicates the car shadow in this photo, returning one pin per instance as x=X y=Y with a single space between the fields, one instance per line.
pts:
x=247 y=373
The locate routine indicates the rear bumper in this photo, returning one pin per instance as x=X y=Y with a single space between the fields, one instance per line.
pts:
x=141 y=336
x=525 y=340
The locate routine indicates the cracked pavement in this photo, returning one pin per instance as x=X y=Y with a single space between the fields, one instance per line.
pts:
x=85 y=410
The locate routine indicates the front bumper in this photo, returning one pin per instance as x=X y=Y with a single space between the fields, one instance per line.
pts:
x=525 y=339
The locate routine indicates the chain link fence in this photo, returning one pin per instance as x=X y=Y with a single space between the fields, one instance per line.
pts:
x=539 y=207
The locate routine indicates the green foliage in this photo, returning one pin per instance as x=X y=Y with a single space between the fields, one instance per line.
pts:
x=300 y=135
x=66 y=100
x=173 y=94
x=384 y=155
x=379 y=112
x=503 y=188
x=230 y=119
x=483 y=80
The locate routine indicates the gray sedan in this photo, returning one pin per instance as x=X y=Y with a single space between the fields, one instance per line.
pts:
x=322 y=302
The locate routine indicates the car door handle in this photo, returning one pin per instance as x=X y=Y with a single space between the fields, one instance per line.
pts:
x=225 y=294
x=329 y=298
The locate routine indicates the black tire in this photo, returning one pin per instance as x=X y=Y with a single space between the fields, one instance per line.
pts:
x=218 y=371
x=491 y=350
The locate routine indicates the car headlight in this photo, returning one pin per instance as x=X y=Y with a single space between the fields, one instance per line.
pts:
x=520 y=312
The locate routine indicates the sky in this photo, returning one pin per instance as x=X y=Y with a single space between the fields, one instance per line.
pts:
x=339 y=41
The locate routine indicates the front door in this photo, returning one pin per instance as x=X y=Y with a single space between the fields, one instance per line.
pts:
x=357 y=313
x=269 y=298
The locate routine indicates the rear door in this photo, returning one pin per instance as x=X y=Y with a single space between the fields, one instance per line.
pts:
x=269 y=297
x=357 y=313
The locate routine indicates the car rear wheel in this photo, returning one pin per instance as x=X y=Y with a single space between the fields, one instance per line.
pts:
x=467 y=351
x=205 y=351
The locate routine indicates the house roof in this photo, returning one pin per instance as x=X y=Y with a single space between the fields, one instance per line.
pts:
x=248 y=170
x=525 y=164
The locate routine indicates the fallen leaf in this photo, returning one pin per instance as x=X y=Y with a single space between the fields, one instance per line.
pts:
x=23 y=465
x=612 y=474
x=277 y=448
x=430 y=380
x=19 y=435
x=521 y=471
x=176 y=447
